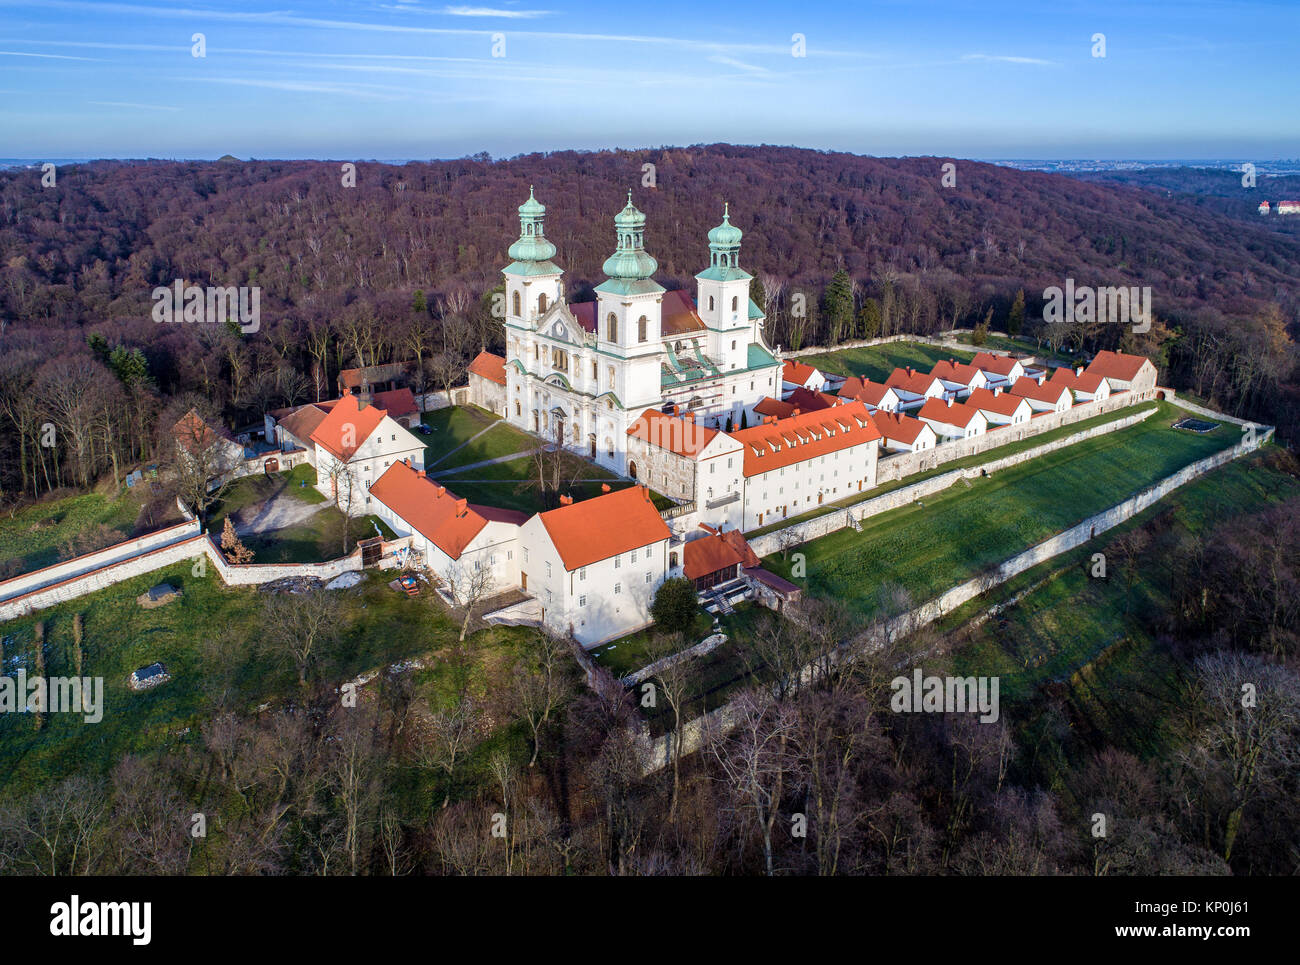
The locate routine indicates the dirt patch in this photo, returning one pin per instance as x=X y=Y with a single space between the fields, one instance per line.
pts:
x=277 y=512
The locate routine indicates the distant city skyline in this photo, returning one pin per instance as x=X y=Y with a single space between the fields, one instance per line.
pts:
x=347 y=79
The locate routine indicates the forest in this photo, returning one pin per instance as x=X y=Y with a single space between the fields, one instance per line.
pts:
x=528 y=768
x=401 y=264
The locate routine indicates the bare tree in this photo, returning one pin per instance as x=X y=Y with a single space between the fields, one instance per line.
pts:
x=448 y=737
x=298 y=624
x=469 y=583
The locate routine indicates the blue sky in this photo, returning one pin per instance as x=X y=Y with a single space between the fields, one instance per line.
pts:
x=407 y=79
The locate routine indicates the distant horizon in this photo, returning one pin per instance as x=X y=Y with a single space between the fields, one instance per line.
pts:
x=419 y=79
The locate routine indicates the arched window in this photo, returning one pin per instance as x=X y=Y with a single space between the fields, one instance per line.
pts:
x=541 y=304
x=613 y=327
x=515 y=303
x=735 y=302
x=710 y=303
x=631 y=469
x=641 y=325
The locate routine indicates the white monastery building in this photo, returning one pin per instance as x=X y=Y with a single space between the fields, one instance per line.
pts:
x=583 y=373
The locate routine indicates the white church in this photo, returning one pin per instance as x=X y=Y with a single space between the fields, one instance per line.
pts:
x=585 y=372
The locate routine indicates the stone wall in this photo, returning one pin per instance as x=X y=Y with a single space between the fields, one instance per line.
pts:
x=696 y=733
x=50 y=591
x=851 y=515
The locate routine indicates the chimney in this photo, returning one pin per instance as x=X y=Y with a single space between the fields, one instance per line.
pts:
x=1042 y=379
x=604 y=487
x=997 y=391
x=794 y=412
x=462 y=507
x=566 y=500
x=645 y=492
x=950 y=402
x=1078 y=370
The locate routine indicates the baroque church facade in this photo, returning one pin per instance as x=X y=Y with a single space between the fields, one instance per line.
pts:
x=583 y=373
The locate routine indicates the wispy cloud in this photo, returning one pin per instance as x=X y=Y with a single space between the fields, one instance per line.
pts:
x=133 y=106
x=738 y=64
x=494 y=12
x=1006 y=59
x=23 y=53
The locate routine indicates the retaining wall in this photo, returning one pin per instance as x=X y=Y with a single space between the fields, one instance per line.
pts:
x=695 y=733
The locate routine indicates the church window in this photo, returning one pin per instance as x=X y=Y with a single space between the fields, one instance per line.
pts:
x=710 y=303
x=613 y=327
x=641 y=325
x=515 y=303
x=735 y=302
x=541 y=303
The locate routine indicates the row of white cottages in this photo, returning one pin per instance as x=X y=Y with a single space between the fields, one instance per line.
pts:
x=593 y=566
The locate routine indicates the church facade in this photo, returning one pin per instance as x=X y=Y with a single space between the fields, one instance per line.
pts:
x=583 y=373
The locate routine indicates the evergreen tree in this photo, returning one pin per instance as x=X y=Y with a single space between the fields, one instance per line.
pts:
x=1016 y=318
x=675 y=605
x=869 y=319
x=837 y=302
x=419 y=305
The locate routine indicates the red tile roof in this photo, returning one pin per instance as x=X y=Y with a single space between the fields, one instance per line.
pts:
x=805 y=436
x=806 y=400
x=1004 y=403
x=864 y=390
x=1087 y=382
x=1117 y=365
x=679 y=315
x=954 y=371
x=770 y=406
x=717 y=551
x=899 y=428
x=999 y=364
x=604 y=526
x=910 y=380
x=302 y=421
x=489 y=366
x=674 y=434
x=1047 y=392
x=333 y=433
x=195 y=434
x=432 y=511
x=398 y=403
x=797 y=372
x=353 y=378
x=954 y=414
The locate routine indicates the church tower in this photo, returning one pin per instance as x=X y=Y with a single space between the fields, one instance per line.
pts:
x=532 y=278
x=629 y=313
x=723 y=298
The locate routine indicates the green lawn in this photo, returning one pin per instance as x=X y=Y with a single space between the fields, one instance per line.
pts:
x=632 y=652
x=453 y=426
x=34 y=537
x=513 y=484
x=1087 y=642
x=932 y=546
x=1166 y=410
x=212 y=644
x=877 y=361
x=317 y=539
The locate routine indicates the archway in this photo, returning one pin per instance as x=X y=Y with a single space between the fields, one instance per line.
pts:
x=631 y=469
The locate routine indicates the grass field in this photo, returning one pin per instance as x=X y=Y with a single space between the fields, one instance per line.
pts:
x=34 y=536
x=454 y=426
x=877 y=361
x=212 y=645
x=929 y=547
x=982 y=457
x=1087 y=644
x=513 y=484
x=317 y=539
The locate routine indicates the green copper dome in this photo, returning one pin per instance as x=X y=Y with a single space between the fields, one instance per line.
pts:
x=532 y=245
x=532 y=208
x=630 y=260
x=725 y=235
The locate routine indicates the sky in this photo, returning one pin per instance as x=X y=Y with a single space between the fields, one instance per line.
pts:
x=413 y=79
